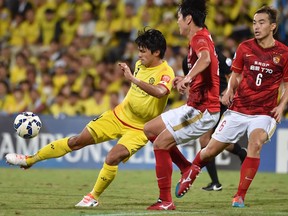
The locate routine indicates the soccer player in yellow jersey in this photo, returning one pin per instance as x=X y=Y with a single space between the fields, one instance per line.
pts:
x=146 y=99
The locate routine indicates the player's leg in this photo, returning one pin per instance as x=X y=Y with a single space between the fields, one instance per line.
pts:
x=131 y=141
x=259 y=131
x=236 y=149
x=162 y=145
x=63 y=146
x=163 y=170
x=224 y=133
x=55 y=149
x=214 y=185
x=250 y=165
x=152 y=129
x=179 y=159
x=109 y=170
x=211 y=166
x=182 y=124
x=203 y=157
x=106 y=175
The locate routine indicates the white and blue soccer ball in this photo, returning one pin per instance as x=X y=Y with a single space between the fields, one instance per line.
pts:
x=27 y=125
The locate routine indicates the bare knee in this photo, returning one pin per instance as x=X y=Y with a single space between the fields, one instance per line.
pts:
x=81 y=140
x=115 y=159
x=117 y=154
x=74 y=143
x=212 y=149
x=254 y=149
x=153 y=128
x=149 y=133
x=208 y=154
x=255 y=142
x=77 y=142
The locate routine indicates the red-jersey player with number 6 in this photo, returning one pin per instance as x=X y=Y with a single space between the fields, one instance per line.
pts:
x=259 y=67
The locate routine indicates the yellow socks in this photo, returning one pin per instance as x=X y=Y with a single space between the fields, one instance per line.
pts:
x=54 y=149
x=105 y=177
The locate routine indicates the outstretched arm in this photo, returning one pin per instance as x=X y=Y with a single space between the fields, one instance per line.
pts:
x=157 y=91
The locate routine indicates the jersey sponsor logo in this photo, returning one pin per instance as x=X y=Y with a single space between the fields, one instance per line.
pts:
x=261 y=67
x=262 y=64
x=165 y=78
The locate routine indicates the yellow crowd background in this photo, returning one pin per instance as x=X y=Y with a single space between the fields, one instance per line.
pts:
x=59 y=57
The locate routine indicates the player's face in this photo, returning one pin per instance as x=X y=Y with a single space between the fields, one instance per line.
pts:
x=262 y=27
x=181 y=24
x=146 y=57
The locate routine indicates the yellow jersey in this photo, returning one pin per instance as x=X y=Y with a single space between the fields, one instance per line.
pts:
x=138 y=107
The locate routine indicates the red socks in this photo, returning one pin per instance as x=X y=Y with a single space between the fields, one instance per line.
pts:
x=164 y=173
x=248 y=171
x=198 y=161
x=178 y=158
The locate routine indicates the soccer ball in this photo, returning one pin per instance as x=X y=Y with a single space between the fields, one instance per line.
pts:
x=27 y=125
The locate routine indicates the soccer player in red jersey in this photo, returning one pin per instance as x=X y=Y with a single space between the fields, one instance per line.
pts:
x=260 y=65
x=200 y=114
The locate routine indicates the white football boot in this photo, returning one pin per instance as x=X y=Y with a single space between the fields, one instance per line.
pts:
x=88 y=201
x=17 y=160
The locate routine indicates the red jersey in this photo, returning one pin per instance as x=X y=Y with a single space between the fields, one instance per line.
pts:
x=262 y=71
x=204 y=88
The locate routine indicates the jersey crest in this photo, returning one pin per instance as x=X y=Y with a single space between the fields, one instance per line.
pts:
x=151 y=80
x=276 y=58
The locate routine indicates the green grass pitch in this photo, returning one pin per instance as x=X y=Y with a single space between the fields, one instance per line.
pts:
x=54 y=192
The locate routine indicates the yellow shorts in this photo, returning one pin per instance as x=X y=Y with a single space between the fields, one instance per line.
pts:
x=108 y=127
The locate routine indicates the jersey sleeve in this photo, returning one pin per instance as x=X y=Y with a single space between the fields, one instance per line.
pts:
x=285 y=77
x=166 y=79
x=199 y=43
x=237 y=64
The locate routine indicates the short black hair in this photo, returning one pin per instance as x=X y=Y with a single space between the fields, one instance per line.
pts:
x=153 y=40
x=196 y=8
x=272 y=14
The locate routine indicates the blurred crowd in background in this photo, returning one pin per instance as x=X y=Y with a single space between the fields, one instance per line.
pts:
x=60 y=57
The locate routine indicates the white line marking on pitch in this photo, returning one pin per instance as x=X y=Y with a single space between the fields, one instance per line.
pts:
x=142 y=213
